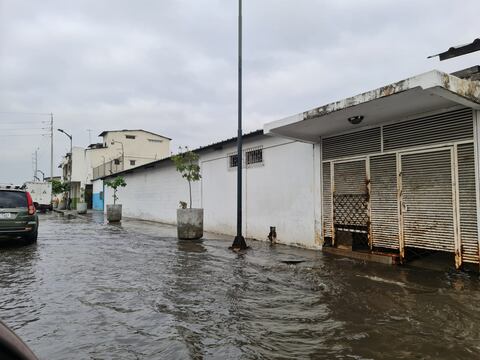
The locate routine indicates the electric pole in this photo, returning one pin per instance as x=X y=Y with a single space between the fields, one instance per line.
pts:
x=51 y=148
x=89 y=136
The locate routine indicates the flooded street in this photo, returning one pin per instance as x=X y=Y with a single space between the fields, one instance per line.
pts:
x=94 y=291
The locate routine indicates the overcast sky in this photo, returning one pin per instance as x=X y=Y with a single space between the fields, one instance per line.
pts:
x=169 y=66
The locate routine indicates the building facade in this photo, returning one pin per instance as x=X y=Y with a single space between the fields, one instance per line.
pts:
x=120 y=150
x=399 y=167
x=278 y=189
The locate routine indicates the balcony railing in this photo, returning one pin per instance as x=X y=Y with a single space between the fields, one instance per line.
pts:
x=108 y=168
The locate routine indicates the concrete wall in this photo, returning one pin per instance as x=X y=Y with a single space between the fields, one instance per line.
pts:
x=154 y=194
x=279 y=192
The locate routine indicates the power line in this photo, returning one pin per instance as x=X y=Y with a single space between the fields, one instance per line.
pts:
x=24 y=113
x=8 y=135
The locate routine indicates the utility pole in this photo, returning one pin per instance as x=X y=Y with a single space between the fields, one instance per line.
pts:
x=239 y=241
x=89 y=136
x=51 y=148
x=35 y=162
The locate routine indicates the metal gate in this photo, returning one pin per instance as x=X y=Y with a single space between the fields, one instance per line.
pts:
x=350 y=203
x=427 y=202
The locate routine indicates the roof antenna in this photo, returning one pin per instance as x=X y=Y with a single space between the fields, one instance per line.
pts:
x=459 y=50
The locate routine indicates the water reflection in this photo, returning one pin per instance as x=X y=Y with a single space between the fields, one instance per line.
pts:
x=90 y=290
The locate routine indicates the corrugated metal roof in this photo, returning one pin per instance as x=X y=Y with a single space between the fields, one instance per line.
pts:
x=215 y=146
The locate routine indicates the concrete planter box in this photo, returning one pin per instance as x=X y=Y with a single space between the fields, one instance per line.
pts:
x=190 y=224
x=114 y=213
x=82 y=208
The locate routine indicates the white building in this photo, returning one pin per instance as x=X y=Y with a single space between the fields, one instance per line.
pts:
x=393 y=170
x=119 y=150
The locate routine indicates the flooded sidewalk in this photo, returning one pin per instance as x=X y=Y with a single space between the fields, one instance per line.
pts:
x=88 y=290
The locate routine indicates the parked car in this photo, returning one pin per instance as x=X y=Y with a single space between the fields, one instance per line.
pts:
x=18 y=217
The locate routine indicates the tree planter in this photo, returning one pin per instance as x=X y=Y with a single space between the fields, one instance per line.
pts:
x=190 y=224
x=114 y=213
x=82 y=208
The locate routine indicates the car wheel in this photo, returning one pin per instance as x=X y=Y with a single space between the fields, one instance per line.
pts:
x=31 y=238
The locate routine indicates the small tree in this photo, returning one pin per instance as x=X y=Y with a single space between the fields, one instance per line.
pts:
x=58 y=187
x=186 y=162
x=119 y=181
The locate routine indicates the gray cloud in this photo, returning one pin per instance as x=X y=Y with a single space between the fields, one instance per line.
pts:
x=170 y=66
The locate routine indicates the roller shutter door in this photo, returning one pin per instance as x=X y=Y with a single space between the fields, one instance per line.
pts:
x=327 y=201
x=468 y=204
x=383 y=201
x=427 y=201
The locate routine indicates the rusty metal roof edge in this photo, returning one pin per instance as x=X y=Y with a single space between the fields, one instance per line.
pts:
x=465 y=88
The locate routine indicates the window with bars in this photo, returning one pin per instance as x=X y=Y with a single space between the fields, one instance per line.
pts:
x=132 y=137
x=250 y=157
x=233 y=161
x=254 y=156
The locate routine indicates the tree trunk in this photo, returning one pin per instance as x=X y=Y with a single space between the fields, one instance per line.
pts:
x=190 y=191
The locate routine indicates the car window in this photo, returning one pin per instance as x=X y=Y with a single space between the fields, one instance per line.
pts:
x=12 y=199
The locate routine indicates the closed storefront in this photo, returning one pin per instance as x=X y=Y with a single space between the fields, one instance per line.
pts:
x=404 y=186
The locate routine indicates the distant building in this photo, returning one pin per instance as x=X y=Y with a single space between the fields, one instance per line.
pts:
x=120 y=150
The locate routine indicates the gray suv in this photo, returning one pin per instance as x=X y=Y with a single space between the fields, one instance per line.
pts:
x=18 y=217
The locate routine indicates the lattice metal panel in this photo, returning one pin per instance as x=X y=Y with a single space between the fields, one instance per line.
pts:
x=357 y=143
x=468 y=204
x=350 y=210
x=327 y=201
x=427 y=201
x=350 y=178
x=383 y=201
x=444 y=127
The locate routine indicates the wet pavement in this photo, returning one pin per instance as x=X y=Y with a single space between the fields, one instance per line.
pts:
x=88 y=290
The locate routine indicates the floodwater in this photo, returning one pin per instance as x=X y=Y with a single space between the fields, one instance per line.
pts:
x=93 y=291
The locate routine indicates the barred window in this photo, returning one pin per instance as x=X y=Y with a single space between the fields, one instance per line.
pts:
x=254 y=156
x=130 y=137
x=233 y=161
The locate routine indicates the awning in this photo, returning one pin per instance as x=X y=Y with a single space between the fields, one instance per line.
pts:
x=417 y=95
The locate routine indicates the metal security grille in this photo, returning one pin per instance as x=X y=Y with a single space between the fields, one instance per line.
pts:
x=427 y=201
x=350 y=204
x=357 y=143
x=468 y=204
x=384 y=201
x=327 y=201
x=351 y=212
x=254 y=156
x=444 y=127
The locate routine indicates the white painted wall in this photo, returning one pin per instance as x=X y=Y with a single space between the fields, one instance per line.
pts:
x=281 y=192
x=154 y=193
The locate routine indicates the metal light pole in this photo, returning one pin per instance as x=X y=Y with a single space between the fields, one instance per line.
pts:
x=43 y=174
x=123 y=153
x=239 y=241
x=71 y=167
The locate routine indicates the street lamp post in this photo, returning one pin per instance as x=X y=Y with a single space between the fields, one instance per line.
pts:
x=123 y=152
x=71 y=167
x=43 y=174
x=239 y=241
